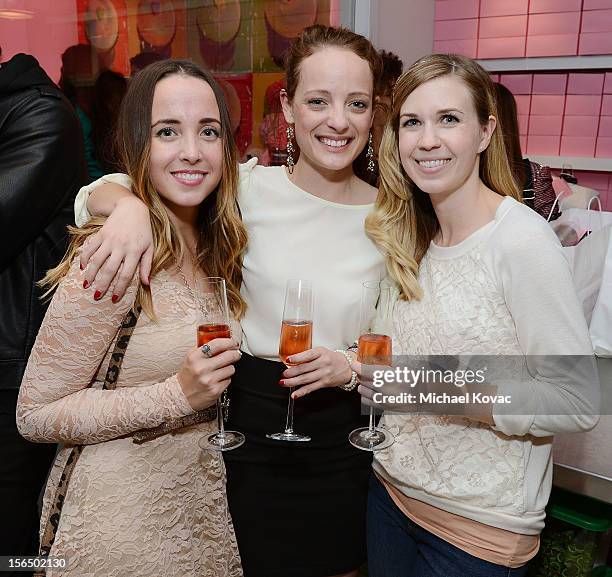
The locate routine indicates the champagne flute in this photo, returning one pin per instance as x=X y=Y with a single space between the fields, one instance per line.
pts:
x=217 y=327
x=374 y=349
x=296 y=337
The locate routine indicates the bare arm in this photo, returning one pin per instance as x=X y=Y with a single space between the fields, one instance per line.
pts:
x=124 y=243
x=104 y=200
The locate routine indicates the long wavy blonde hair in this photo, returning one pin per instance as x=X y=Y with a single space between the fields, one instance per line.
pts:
x=222 y=235
x=403 y=222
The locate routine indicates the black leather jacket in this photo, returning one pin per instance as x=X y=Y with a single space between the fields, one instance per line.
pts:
x=41 y=169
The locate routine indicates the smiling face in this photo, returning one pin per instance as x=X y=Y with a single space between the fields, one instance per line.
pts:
x=331 y=108
x=186 y=145
x=441 y=137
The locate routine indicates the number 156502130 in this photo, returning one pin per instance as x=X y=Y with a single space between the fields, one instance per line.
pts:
x=15 y=563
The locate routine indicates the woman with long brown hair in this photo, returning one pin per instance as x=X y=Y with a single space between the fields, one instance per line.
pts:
x=533 y=179
x=157 y=507
x=476 y=273
x=298 y=508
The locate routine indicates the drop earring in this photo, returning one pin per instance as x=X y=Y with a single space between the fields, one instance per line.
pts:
x=290 y=149
x=370 y=154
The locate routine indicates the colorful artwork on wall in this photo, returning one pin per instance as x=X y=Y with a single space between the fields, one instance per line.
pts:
x=219 y=34
x=232 y=38
x=238 y=91
x=277 y=23
x=157 y=26
x=102 y=23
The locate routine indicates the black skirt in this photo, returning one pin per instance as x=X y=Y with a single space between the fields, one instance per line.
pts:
x=298 y=508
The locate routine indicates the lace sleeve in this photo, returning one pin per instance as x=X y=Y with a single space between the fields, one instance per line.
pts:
x=55 y=402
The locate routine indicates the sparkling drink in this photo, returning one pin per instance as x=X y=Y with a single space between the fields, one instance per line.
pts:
x=374 y=349
x=296 y=337
x=207 y=333
x=217 y=326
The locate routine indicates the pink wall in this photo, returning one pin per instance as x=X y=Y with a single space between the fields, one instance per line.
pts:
x=46 y=35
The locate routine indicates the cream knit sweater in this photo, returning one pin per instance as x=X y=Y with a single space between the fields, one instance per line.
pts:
x=505 y=290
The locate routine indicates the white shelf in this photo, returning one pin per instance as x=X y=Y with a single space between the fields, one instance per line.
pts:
x=576 y=162
x=547 y=64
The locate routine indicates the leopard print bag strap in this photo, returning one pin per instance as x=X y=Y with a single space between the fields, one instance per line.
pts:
x=112 y=374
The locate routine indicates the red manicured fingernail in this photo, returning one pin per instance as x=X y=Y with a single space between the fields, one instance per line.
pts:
x=97 y=295
x=81 y=266
x=114 y=298
x=289 y=360
x=85 y=284
x=281 y=382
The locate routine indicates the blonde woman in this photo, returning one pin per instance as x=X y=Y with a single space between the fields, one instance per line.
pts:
x=477 y=273
x=157 y=508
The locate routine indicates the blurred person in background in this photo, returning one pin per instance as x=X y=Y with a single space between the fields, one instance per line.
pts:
x=41 y=168
x=142 y=60
x=108 y=92
x=392 y=70
x=80 y=67
x=532 y=178
x=273 y=129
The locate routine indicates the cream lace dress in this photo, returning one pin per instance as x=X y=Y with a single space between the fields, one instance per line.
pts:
x=151 y=510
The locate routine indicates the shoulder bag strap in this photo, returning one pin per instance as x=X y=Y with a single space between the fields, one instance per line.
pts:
x=123 y=338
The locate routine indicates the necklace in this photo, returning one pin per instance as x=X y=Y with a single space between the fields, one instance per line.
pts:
x=192 y=293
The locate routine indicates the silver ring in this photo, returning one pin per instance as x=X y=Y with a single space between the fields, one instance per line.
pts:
x=206 y=350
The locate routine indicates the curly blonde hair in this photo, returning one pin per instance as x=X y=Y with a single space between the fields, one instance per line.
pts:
x=403 y=222
x=222 y=235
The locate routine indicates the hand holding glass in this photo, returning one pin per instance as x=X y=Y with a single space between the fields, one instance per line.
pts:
x=374 y=349
x=296 y=337
x=217 y=327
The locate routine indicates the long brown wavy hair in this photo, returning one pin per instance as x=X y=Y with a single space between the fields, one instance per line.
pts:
x=222 y=235
x=403 y=222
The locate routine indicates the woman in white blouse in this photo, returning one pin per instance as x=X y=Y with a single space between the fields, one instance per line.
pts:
x=298 y=508
x=477 y=273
